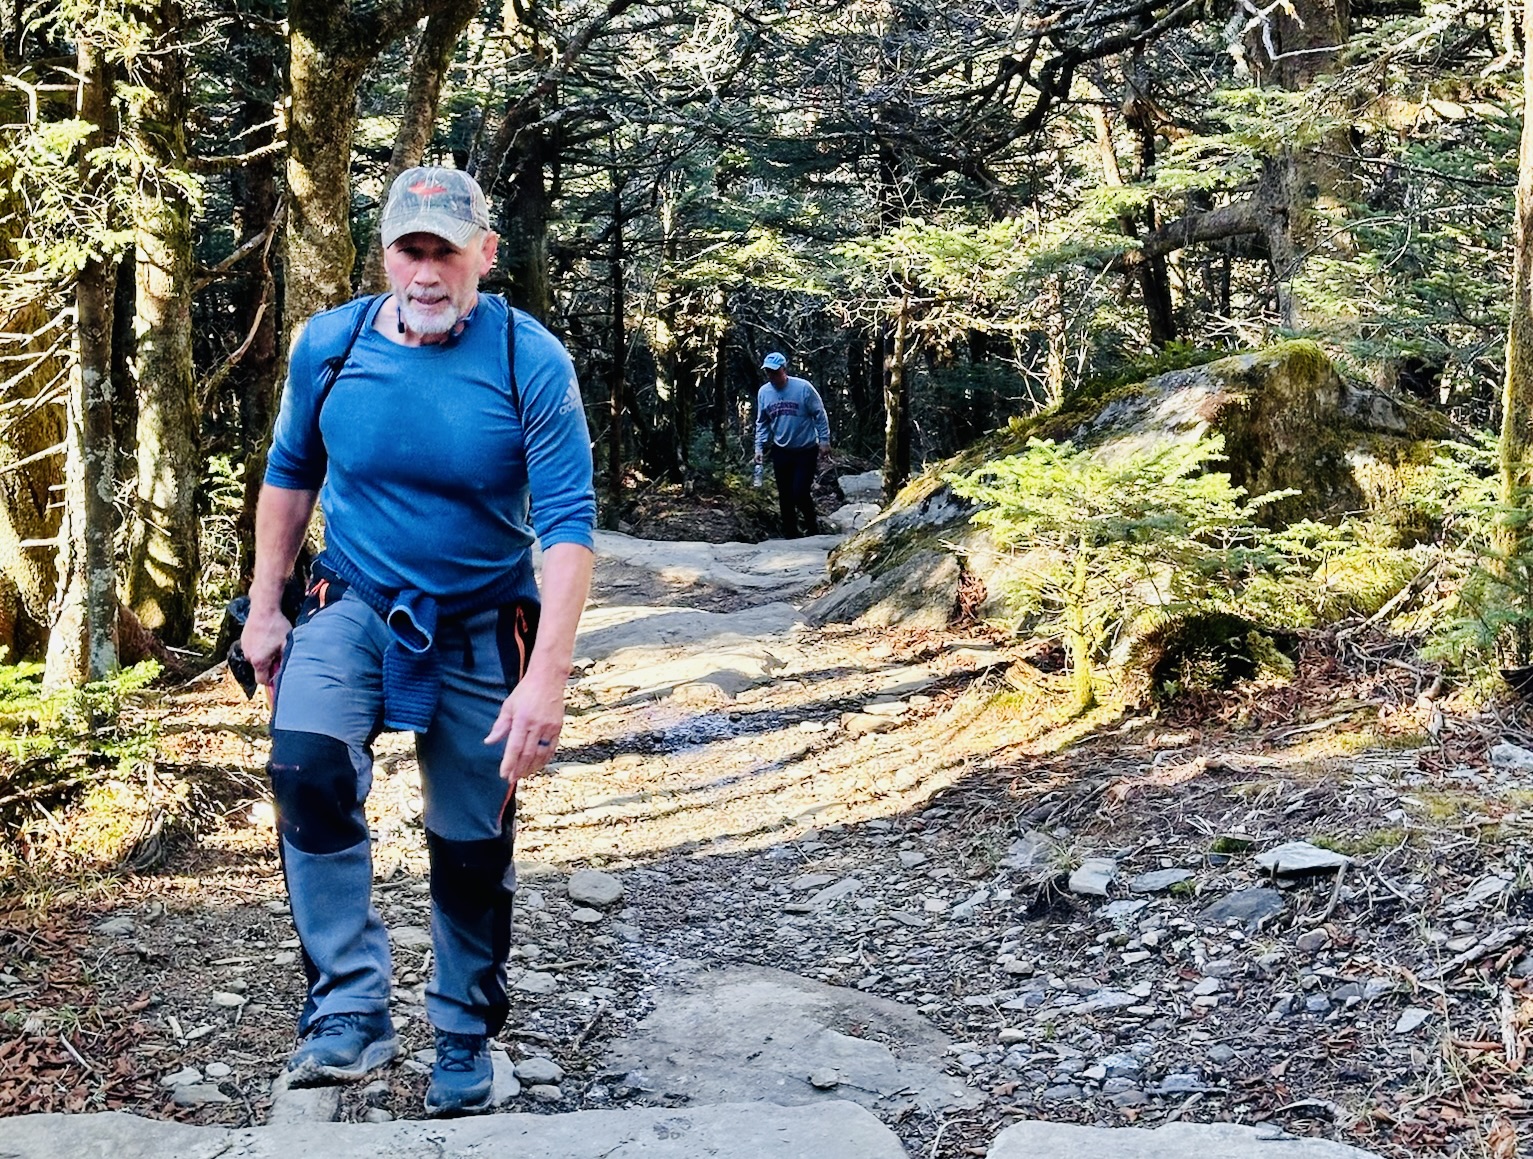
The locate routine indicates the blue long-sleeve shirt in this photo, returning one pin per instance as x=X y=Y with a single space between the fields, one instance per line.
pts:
x=792 y=416
x=423 y=464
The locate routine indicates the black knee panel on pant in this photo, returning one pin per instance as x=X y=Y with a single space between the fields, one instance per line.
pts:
x=315 y=785
x=469 y=878
x=472 y=886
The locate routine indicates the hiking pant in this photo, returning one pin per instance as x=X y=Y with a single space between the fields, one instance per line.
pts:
x=795 y=469
x=328 y=712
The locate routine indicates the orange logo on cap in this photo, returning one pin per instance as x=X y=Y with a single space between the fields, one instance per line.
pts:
x=427 y=189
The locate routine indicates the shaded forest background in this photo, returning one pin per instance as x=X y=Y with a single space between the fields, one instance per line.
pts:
x=946 y=214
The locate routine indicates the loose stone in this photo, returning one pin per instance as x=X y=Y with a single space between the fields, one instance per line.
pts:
x=591 y=887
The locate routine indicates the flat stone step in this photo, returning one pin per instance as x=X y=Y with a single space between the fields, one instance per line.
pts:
x=1173 y=1141
x=841 y=1129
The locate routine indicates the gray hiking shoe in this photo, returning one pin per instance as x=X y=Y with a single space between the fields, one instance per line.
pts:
x=341 y=1048
x=462 y=1077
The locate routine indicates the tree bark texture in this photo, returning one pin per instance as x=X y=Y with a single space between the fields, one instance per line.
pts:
x=255 y=209
x=1517 y=393
x=329 y=48
x=428 y=70
x=516 y=171
x=897 y=407
x=31 y=475
x=671 y=391
x=617 y=370
x=82 y=645
x=161 y=581
x=1150 y=271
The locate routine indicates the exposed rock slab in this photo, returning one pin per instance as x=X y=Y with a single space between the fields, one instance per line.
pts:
x=834 y=1127
x=1173 y=1141
x=919 y=592
x=787 y=566
x=644 y=633
x=749 y=1033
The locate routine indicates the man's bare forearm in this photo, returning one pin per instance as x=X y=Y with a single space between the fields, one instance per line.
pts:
x=567 y=569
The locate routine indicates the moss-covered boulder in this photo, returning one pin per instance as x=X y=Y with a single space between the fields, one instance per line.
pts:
x=1288 y=420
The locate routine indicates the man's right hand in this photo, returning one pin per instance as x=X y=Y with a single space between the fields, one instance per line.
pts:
x=263 y=639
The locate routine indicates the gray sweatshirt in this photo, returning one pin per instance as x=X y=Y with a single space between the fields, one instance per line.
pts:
x=791 y=417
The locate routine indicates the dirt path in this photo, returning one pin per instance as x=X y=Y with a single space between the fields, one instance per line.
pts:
x=903 y=815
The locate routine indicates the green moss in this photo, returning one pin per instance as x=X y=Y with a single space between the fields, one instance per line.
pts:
x=1361 y=580
x=1362 y=844
x=1230 y=843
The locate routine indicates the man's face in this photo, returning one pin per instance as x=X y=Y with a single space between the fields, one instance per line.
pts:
x=434 y=282
x=778 y=377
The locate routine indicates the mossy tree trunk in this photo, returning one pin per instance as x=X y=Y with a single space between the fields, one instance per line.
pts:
x=161 y=581
x=35 y=366
x=1517 y=393
x=31 y=475
x=82 y=645
x=1292 y=45
x=258 y=51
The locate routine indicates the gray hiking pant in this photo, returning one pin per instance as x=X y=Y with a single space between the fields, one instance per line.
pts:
x=327 y=714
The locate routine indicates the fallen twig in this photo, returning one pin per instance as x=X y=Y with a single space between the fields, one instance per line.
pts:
x=585 y=1033
x=75 y=1054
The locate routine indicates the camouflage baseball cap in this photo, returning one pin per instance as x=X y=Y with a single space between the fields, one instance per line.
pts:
x=444 y=202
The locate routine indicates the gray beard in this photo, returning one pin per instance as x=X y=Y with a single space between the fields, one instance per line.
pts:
x=420 y=322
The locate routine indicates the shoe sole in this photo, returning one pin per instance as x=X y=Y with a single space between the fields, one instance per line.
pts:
x=374 y=1055
x=448 y=1111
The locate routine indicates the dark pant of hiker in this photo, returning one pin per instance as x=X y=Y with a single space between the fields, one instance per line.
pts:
x=795 y=468
x=328 y=712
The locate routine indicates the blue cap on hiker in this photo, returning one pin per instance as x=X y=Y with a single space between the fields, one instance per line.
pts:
x=774 y=361
x=447 y=203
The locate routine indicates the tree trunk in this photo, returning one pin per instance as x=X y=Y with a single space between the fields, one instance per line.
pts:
x=897 y=407
x=1516 y=648
x=517 y=168
x=671 y=418
x=859 y=386
x=82 y=645
x=1056 y=359
x=616 y=372
x=1151 y=274
x=428 y=69
x=329 y=49
x=36 y=367
x=255 y=207
x=1284 y=218
x=1292 y=46
x=31 y=475
x=720 y=373
x=161 y=581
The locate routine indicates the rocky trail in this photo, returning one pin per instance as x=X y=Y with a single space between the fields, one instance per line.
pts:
x=834 y=890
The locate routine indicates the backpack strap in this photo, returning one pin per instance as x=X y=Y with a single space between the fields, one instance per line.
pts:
x=336 y=362
x=516 y=390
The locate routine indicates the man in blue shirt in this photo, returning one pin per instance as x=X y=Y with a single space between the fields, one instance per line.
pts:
x=791 y=418
x=422 y=613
